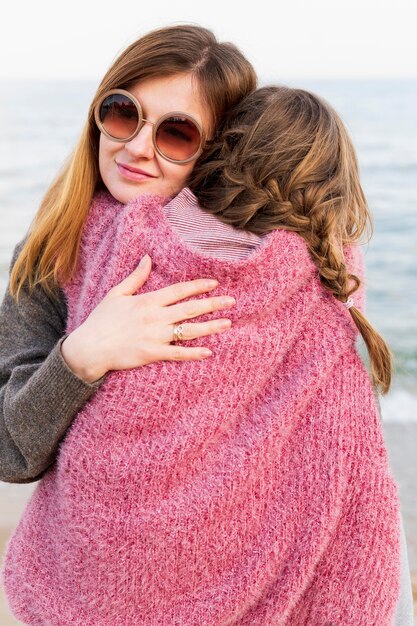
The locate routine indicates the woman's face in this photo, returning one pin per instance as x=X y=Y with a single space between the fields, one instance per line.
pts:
x=158 y=176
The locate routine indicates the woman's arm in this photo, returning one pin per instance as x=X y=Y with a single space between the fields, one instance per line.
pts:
x=39 y=394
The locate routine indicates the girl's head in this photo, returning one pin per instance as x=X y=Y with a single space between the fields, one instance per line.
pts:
x=175 y=68
x=284 y=159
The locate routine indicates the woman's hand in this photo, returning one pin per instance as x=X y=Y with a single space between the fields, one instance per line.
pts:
x=127 y=330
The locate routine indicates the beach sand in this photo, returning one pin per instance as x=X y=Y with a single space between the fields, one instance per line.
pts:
x=401 y=441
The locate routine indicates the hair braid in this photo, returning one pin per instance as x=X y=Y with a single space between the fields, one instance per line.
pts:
x=285 y=160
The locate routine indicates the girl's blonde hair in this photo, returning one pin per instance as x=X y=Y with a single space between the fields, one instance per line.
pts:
x=223 y=75
x=284 y=159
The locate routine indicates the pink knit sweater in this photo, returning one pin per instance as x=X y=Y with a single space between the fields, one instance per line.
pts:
x=248 y=489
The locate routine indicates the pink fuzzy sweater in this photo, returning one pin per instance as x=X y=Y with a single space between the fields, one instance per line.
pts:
x=248 y=489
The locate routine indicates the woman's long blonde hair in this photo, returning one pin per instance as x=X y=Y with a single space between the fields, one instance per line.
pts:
x=284 y=159
x=50 y=252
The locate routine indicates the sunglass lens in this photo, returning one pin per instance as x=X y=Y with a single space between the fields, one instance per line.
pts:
x=178 y=138
x=118 y=116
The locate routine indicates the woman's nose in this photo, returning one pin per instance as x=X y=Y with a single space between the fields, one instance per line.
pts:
x=142 y=144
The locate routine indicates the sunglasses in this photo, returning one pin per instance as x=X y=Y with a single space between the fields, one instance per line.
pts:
x=177 y=137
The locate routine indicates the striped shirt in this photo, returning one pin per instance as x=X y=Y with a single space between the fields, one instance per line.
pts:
x=205 y=232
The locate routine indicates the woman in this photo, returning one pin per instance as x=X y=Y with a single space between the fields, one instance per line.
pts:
x=31 y=349
x=104 y=220
x=213 y=76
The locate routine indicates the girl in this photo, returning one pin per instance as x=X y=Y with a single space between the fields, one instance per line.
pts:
x=285 y=161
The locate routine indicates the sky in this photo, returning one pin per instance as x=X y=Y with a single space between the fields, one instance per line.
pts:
x=79 y=39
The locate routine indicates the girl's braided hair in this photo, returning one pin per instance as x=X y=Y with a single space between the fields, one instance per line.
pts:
x=284 y=159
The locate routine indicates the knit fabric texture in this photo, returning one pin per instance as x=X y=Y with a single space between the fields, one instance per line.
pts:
x=250 y=488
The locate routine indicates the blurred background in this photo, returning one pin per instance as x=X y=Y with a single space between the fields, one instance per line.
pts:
x=360 y=55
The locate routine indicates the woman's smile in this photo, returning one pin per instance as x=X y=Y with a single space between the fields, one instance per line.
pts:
x=133 y=173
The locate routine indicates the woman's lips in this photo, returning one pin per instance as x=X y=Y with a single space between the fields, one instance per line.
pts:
x=133 y=173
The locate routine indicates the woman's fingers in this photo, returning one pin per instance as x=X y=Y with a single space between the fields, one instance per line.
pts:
x=178 y=353
x=129 y=285
x=129 y=330
x=195 y=330
x=194 y=308
x=165 y=296
x=178 y=291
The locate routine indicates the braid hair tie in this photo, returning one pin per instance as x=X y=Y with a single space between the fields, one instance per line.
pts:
x=348 y=303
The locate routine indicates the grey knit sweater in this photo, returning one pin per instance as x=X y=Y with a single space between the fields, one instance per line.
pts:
x=40 y=396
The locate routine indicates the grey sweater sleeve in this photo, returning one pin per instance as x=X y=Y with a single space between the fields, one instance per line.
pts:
x=39 y=394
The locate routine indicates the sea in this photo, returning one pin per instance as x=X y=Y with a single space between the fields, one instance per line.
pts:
x=40 y=123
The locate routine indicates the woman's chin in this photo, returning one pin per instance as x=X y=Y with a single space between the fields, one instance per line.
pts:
x=127 y=193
